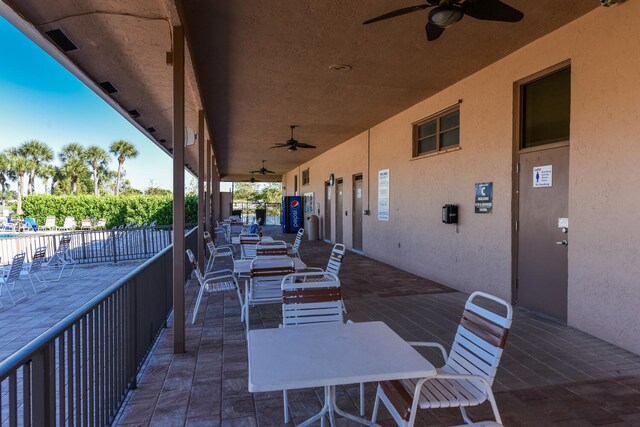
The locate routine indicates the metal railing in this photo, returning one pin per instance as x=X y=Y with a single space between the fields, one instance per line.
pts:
x=92 y=246
x=248 y=215
x=80 y=370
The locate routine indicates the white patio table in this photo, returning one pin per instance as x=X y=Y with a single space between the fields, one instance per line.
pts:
x=331 y=354
x=243 y=266
x=265 y=239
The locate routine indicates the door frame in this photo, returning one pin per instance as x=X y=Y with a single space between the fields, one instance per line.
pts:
x=327 y=196
x=353 y=213
x=339 y=214
x=515 y=157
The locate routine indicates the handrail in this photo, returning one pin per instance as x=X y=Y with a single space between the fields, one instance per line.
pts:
x=39 y=343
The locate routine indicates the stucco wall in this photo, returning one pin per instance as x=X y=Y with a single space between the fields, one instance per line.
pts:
x=604 y=265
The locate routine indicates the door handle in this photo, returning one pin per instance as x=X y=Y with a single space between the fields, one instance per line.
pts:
x=562 y=243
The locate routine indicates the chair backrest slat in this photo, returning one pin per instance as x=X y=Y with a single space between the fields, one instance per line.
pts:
x=271 y=249
x=39 y=257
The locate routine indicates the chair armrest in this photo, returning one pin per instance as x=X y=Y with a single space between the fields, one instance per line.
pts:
x=430 y=344
x=218 y=273
x=312 y=269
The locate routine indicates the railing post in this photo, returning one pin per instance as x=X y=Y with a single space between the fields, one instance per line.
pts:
x=144 y=237
x=43 y=388
x=115 y=250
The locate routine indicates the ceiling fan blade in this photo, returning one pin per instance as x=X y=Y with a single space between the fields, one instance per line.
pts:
x=492 y=10
x=302 y=145
x=268 y=171
x=255 y=171
x=433 y=31
x=398 y=12
x=280 y=146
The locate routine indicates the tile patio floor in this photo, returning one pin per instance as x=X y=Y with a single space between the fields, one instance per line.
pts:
x=550 y=375
x=25 y=321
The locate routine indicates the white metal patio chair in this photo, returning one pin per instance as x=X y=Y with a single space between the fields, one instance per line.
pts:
x=248 y=245
x=62 y=258
x=49 y=224
x=293 y=248
x=101 y=224
x=216 y=251
x=85 y=224
x=264 y=285
x=469 y=371
x=215 y=281
x=312 y=298
x=11 y=277
x=334 y=264
x=10 y=227
x=35 y=268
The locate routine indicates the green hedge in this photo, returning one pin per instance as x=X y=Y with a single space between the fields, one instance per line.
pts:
x=117 y=210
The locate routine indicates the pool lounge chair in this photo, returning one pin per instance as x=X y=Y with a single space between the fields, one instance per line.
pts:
x=10 y=278
x=69 y=224
x=49 y=224
x=62 y=258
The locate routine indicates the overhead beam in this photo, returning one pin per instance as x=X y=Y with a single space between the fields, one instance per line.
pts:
x=178 y=191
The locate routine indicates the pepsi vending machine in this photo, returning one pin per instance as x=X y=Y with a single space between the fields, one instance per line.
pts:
x=291 y=214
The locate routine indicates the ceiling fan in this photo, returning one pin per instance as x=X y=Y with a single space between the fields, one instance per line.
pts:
x=292 y=144
x=262 y=170
x=446 y=13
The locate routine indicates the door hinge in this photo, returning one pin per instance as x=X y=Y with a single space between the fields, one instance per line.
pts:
x=516 y=225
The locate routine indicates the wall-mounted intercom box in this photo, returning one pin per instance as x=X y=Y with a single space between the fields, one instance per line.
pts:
x=450 y=214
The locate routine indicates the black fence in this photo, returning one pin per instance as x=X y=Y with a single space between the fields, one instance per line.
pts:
x=80 y=370
x=255 y=212
x=90 y=246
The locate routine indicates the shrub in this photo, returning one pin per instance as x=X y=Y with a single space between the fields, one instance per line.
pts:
x=117 y=210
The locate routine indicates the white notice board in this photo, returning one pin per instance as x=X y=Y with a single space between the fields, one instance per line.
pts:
x=383 y=195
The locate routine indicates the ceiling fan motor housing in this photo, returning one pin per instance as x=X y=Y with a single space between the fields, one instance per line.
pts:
x=445 y=16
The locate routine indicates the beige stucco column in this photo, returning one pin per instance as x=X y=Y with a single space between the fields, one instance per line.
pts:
x=178 y=191
x=207 y=198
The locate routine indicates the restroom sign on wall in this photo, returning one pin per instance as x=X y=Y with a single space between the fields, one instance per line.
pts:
x=542 y=176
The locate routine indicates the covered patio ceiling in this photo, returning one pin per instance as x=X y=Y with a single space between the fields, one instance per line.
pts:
x=258 y=67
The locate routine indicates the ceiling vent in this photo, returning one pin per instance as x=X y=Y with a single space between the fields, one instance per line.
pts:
x=108 y=87
x=134 y=113
x=61 y=40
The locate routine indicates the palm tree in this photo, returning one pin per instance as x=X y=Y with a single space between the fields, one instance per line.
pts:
x=45 y=172
x=97 y=158
x=20 y=165
x=5 y=172
x=73 y=166
x=123 y=150
x=37 y=152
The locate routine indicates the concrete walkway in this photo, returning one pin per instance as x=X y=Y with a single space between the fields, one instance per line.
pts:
x=26 y=320
x=550 y=374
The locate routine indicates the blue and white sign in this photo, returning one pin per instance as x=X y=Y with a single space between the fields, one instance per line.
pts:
x=383 y=195
x=543 y=176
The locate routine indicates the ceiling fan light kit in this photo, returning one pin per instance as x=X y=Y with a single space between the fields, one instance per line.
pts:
x=446 y=13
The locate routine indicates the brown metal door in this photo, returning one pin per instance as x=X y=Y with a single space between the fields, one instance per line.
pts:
x=327 y=211
x=339 y=210
x=542 y=235
x=357 y=212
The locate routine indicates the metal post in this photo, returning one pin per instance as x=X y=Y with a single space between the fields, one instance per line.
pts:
x=178 y=191
x=201 y=178
x=207 y=198
x=44 y=387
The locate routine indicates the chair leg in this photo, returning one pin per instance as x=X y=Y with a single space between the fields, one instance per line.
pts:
x=362 y=399
x=195 y=309
x=376 y=405
x=286 y=405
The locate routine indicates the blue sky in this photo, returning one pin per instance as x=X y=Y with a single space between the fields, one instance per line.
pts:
x=39 y=99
